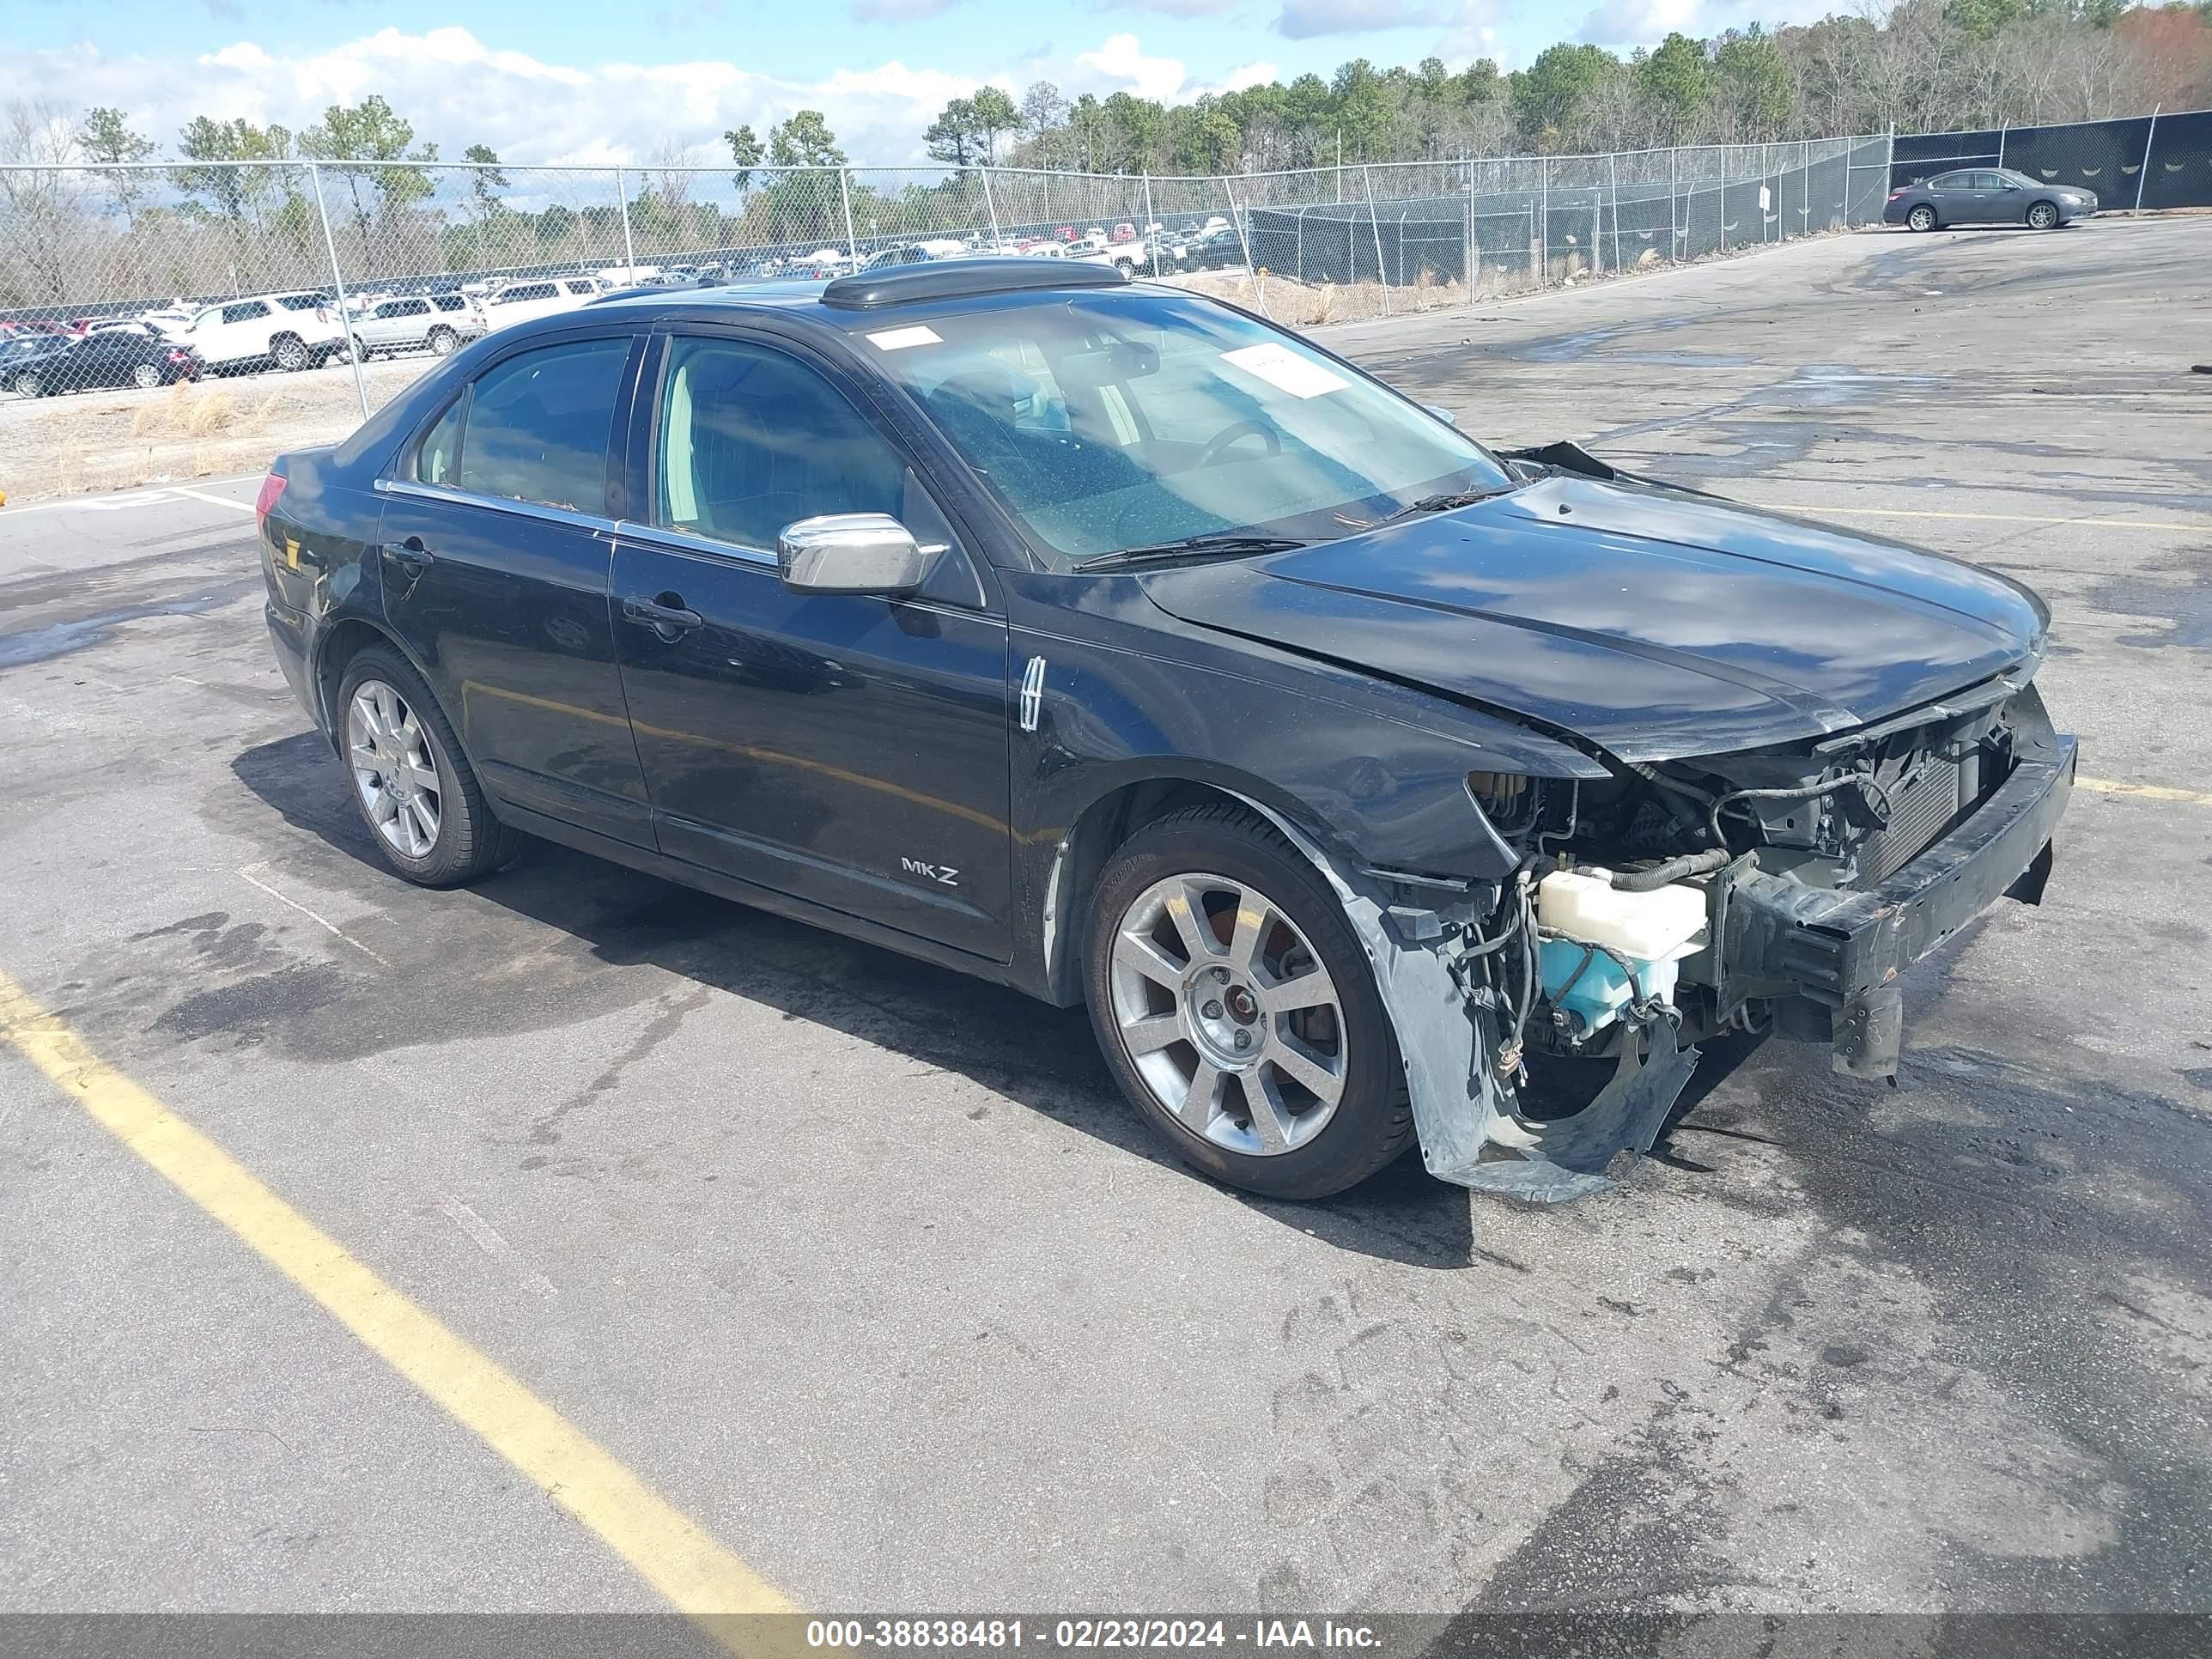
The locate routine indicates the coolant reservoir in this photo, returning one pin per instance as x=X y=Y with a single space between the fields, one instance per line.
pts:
x=1654 y=931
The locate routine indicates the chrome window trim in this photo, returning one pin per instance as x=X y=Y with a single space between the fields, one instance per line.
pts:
x=687 y=541
x=592 y=521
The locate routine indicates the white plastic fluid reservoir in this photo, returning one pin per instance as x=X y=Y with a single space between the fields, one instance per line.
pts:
x=1654 y=931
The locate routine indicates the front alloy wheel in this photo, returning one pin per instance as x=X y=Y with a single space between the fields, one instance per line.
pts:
x=2042 y=217
x=1228 y=1015
x=395 y=769
x=1237 y=1010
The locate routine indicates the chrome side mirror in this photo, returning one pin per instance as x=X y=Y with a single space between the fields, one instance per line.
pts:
x=851 y=553
x=1442 y=414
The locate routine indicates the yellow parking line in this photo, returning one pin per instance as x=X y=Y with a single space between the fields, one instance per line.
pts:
x=2146 y=791
x=669 y=1551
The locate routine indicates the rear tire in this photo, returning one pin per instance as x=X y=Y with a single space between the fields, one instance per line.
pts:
x=28 y=386
x=410 y=783
x=145 y=377
x=442 y=342
x=2044 y=215
x=290 y=353
x=1922 y=217
x=1281 y=969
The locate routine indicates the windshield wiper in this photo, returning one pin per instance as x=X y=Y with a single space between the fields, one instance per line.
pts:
x=1188 y=545
x=1443 y=503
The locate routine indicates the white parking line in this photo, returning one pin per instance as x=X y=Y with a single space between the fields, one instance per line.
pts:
x=153 y=496
x=246 y=875
x=214 y=500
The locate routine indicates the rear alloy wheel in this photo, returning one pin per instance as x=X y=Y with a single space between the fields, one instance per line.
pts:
x=290 y=354
x=1922 y=217
x=1237 y=1010
x=411 y=782
x=2044 y=215
x=145 y=377
x=442 y=342
x=29 y=385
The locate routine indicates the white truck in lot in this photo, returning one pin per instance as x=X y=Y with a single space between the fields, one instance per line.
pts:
x=435 y=323
x=290 y=331
x=539 y=296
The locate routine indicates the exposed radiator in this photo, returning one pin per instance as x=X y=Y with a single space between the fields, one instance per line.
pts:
x=1921 y=810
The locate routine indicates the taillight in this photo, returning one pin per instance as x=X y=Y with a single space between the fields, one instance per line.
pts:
x=175 y=355
x=322 y=313
x=1894 y=194
x=271 y=488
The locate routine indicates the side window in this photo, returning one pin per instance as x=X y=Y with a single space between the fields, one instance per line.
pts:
x=1952 y=181
x=449 y=302
x=539 y=425
x=750 y=439
x=414 y=308
x=246 y=312
x=438 y=460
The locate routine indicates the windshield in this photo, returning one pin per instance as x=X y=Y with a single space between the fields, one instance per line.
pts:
x=1124 y=418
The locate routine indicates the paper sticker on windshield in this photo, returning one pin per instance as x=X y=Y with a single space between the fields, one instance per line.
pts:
x=898 y=339
x=1284 y=370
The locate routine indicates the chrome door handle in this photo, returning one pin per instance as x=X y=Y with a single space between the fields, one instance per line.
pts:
x=670 y=622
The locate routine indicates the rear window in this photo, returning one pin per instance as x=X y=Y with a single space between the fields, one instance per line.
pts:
x=539 y=425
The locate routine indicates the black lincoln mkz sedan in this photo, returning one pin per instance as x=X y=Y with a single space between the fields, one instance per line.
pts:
x=1114 y=644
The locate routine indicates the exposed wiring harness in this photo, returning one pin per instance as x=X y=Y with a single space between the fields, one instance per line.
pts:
x=1877 y=798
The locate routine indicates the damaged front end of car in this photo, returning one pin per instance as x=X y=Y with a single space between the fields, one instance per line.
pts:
x=1783 y=890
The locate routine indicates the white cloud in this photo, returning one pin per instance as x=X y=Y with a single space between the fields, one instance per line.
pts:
x=1304 y=20
x=1250 y=75
x=1647 y=22
x=1122 y=60
x=457 y=91
x=1170 y=8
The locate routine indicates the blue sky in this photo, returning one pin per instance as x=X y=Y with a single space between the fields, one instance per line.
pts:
x=603 y=82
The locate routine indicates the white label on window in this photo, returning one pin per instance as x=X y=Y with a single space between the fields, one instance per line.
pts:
x=1284 y=370
x=898 y=339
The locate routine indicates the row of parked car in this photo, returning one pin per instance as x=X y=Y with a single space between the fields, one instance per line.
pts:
x=308 y=328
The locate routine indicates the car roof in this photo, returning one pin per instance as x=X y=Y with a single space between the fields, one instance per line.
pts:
x=861 y=300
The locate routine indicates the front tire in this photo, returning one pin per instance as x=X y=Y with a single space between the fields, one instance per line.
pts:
x=410 y=783
x=2044 y=215
x=29 y=385
x=1922 y=217
x=1237 y=1010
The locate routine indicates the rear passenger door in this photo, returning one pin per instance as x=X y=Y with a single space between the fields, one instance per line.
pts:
x=496 y=542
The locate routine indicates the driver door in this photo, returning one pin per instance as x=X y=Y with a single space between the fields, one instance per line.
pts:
x=848 y=749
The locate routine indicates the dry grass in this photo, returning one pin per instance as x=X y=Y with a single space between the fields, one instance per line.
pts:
x=120 y=440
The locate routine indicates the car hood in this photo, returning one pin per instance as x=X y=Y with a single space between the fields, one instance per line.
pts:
x=1654 y=623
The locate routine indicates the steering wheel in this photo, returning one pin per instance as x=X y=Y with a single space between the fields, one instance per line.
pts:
x=1237 y=434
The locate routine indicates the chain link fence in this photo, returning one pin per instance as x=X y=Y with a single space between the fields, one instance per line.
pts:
x=215 y=313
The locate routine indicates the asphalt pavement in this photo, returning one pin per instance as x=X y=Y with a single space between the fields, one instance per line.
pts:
x=865 y=1269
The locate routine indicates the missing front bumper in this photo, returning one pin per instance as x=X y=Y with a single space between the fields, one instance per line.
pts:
x=1842 y=952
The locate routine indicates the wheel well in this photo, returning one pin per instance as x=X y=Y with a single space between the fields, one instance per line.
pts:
x=339 y=647
x=1096 y=833
x=284 y=334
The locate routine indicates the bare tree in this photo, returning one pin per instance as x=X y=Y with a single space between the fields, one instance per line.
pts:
x=43 y=211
